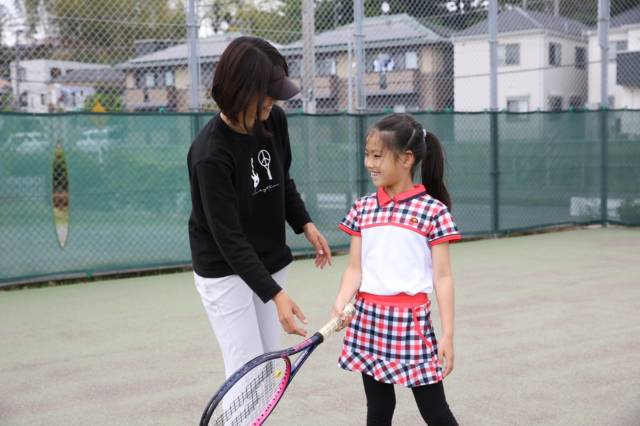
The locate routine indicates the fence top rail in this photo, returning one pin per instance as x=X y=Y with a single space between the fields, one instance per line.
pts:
x=304 y=114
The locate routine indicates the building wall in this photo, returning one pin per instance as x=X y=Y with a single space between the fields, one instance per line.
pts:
x=182 y=78
x=623 y=97
x=471 y=73
x=565 y=80
x=36 y=81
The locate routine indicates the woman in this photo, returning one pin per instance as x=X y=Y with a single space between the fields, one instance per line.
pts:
x=242 y=195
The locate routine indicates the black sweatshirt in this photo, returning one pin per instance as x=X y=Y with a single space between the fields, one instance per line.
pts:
x=241 y=195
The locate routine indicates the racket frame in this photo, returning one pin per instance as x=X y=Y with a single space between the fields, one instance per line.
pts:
x=308 y=346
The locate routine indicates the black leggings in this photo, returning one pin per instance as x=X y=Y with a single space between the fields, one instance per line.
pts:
x=381 y=402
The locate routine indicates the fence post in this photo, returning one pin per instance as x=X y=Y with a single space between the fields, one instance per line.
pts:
x=603 y=33
x=361 y=130
x=493 y=114
x=194 y=66
x=308 y=57
x=358 y=18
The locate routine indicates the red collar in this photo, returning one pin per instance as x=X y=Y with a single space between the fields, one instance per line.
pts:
x=384 y=199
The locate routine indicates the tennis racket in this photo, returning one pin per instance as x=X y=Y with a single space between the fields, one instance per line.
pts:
x=252 y=392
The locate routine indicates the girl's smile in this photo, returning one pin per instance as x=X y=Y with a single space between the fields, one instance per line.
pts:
x=389 y=171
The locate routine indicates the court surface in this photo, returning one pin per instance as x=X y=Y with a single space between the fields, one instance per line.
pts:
x=547 y=333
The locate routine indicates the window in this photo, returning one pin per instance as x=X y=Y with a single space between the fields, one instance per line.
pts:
x=581 y=58
x=55 y=73
x=518 y=104
x=295 y=68
x=509 y=54
x=149 y=79
x=326 y=66
x=22 y=74
x=555 y=54
x=206 y=74
x=617 y=46
x=43 y=99
x=576 y=102
x=411 y=60
x=383 y=63
x=168 y=78
x=555 y=103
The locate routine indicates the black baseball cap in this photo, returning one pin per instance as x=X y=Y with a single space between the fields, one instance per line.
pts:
x=281 y=87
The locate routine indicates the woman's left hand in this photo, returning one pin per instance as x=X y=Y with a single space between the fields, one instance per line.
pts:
x=445 y=354
x=319 y=243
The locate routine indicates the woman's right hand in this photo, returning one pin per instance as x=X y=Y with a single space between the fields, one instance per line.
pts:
x=287 y=313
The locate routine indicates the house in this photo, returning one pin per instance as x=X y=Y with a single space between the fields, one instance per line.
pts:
x=33 y=81
x=624 y=62
x=161 y=79
x=542 y=63
x=72 y=88
x=408 y=66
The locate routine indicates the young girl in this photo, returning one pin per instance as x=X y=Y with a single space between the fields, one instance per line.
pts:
x=399 y=253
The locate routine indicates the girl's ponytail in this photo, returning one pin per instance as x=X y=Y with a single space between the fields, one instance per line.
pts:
x=432 y=170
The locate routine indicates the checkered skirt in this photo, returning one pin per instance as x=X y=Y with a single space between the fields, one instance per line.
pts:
x=393 y=344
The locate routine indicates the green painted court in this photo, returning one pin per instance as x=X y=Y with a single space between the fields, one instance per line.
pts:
x=547 y=333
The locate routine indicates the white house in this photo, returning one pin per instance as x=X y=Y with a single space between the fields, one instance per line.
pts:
x=624 y=62
x=542 y=63
x=34 y=81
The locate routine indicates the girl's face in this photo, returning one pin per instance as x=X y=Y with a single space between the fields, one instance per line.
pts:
x=386 y=168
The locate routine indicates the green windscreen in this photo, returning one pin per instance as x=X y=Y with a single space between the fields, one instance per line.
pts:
x=91 y=193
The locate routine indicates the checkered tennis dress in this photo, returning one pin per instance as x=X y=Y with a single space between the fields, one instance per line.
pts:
x=391 y=337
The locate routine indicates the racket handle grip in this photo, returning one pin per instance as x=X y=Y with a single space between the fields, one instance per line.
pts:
x=332 y=326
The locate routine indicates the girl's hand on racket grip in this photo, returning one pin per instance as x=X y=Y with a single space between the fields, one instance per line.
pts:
x=445 y=354
x=338 y=311
x=287 y=313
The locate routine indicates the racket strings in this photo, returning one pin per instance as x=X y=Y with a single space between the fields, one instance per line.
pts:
x=248 y=398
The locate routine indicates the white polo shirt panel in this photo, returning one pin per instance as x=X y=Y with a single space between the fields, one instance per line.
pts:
x=396 y=238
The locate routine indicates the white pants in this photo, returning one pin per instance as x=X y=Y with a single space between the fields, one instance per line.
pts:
x=244 y=326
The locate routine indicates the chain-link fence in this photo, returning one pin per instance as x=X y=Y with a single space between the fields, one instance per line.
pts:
x=348 y=55
x=82 y=193
x=79 y=201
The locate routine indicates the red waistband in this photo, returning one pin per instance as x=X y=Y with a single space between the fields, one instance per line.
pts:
x=402 y=300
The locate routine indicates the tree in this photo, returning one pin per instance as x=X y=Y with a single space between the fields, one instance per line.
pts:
x=99 y=31
x=108 y=98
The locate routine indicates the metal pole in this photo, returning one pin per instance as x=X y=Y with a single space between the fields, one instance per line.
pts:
x=603 y=32
x=308 y=57
x=19 y=98
x=194 y=67
x=358 y=18
x=349 y=77
x=493 y=55
x=493 y=114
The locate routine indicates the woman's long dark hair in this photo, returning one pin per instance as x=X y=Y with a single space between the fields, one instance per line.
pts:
x=244 y=71
x=401 y=133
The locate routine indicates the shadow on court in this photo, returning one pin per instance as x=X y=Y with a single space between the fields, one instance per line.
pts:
x=547 y=333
